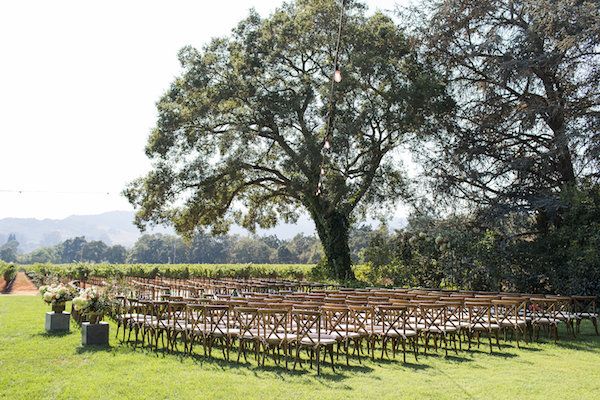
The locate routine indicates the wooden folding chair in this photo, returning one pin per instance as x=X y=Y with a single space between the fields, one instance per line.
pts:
x=511 y=313
x=309 y=337
x=216 y=328
x=336 y=324
x=177 y=324
x=544 y=315
x=584 y=308
x=273 y=333
x=434 y=317
x=246 y=320
x=399 y=325
x=480 y=320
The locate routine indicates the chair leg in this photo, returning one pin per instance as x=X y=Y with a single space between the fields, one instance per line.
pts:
x=416 y=347
x=240 y=350
x=297 y=356
x=318 y=361
x=404 y=350
x=443 y=337
x=454 y=340
x=331 y=356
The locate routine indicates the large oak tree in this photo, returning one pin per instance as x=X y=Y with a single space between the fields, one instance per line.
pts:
x=240 y=134
x=525 y=75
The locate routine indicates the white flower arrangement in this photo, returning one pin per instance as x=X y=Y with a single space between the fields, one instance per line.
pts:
x=56 y=294
x=91 y=301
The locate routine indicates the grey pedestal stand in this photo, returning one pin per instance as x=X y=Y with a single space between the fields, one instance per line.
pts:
x=58 y=322
x=94 y=333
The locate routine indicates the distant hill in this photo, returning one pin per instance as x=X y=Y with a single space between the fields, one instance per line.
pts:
x=116 y=227
x=113 y=227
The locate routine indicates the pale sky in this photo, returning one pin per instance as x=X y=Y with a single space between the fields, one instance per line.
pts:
x=78 y=85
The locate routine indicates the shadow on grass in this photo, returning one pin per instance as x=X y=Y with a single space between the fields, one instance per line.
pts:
x=528 y=348
x=94 y=348
x=583 y=345
x=494 y=353
x=216 y=360
x=53 y=334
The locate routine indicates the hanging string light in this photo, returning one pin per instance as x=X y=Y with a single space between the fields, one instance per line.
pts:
x=69 y=192
x=336 y=78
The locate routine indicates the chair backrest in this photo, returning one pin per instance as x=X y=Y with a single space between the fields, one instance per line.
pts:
x=433 y=315
x=394 y=319
x=273 y=323
x=216 y=319
x=480 y=313
x=335 y=319
x=195 y=317
x=455 y=313
x=246 y=320
x=584 y=305
x=159 y=314
x=563 y=306
x=360 y=317
x=509 y=311
x=543 y=308
x=177 y=314
x=308 y=326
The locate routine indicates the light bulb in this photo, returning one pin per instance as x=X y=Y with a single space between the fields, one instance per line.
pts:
x=326 y=146
x=337 y=76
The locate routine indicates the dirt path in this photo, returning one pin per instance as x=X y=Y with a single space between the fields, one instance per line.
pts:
x=21 y=285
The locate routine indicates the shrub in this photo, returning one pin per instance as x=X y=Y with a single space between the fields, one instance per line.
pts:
x=9 y=271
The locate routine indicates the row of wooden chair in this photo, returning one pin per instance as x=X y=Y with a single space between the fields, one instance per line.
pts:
x=325 y=323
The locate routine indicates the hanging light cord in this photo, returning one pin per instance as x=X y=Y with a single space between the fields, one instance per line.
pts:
x=335 y=78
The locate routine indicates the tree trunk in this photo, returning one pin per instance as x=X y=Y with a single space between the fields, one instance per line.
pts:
x=333 y=228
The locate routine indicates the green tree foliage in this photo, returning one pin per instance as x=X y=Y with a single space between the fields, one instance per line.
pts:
x=158 y=249
x=116 y=254
x=41 y=255
x=306 y=249
x=94 y=251
x=525 y=76
x=254 y=251
x=71 y=250
x=205 y=248
x=458 y=252
x=8 y=251
x=245 y=125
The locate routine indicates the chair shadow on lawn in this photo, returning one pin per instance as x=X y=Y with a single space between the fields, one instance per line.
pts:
x=580 y=345
x=217 y=360
x=341 y=369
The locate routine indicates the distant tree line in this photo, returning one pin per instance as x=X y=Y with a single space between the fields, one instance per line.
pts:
x=202 y=249
x=171 y=249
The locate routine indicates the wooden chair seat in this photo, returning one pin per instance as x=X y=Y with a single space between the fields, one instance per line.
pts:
x=441 y=329
x=404 y=333
x=545 y=321
x=322 y=341
x=484 y=327
x=345 y=335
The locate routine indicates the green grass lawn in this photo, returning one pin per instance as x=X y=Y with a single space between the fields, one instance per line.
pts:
x=34 y=365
